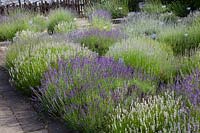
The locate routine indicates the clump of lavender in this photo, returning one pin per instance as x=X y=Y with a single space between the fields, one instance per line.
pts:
x=82 y=90
x=3 y=19
x=156 y=114
x=101 y=19
x=103 y=14
x=97 y=40
x=189 y=87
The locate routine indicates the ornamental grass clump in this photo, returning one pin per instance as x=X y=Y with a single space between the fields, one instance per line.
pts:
x=162 y=113
x=82 y=90
x=101 y=19
x=28 y=58
x=57 y=16
x=97 y=40
x=142 y=53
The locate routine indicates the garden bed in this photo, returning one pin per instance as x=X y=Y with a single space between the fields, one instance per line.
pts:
x=141 y=75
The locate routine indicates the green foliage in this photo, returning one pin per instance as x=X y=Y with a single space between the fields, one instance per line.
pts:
x=186 y=64
x=179 y=8
x=9 y=28
x=57 y=16
x=97 y=44
x=142 y=53
x=141 y=24
x=82 y=90
x=101 y=24
x=97 y=40
x=65 y=27
x=38 y=23
x=156 y=114
x=169 y=18
x=117 y=9
x=154 y=6
x=182 y=39
x=30 y=56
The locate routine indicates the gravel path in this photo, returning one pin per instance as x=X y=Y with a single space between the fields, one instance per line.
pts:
x=17 y=115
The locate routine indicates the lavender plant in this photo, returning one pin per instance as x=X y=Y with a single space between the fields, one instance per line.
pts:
x=28 y=58
x=14 y=24
x=154 y=6
x=82 y=90
x=65 y=27
x=189 y=87
x=156 y=114
x=101 y=19
x=153 y=57
x=117 y=8
x=38 y=24
x=97 y=40
x=182 y=38
x=57 y=16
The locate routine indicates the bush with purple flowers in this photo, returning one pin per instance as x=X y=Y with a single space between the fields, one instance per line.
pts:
x=189 y=87
x=101 y=19
x=30 y=55
x=82 y=90
x=97 y=40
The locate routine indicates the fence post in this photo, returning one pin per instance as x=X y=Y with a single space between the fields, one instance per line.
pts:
x=20 y=4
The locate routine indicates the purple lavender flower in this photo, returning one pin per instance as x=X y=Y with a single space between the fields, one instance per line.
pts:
x=82 y=90
x=189 y=86
x=114 y=34
x=97 y=40
x=100 y=14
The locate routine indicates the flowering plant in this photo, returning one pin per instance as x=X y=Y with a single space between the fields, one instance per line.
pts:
x=97 y=40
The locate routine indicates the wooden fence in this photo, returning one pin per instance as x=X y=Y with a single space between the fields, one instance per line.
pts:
x=44 y=7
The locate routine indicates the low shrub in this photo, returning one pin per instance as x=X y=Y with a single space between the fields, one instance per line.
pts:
x=182 y=39
x=101 y=19
x=179 y=8
x=95 y=39
x=38 y=23
x=65 y=27
x=169 y=18
x=153 y=57
x=141 y=24
x=11 y=26
x=155 y=114
x=117 y=8
x=82 y=90
x=57 y=16
x=28 y=59
x=186 y=64
x=188 y=87
x=154 y=6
